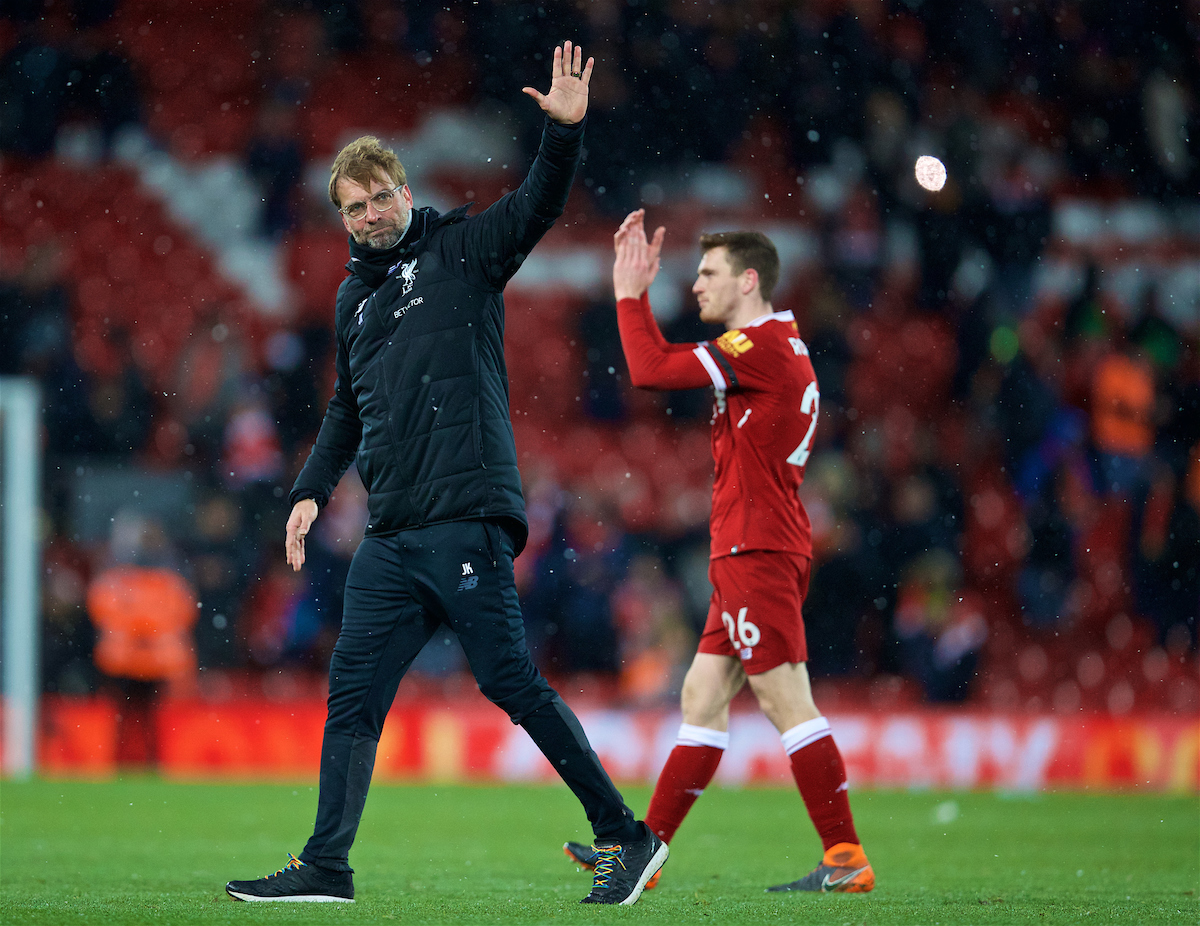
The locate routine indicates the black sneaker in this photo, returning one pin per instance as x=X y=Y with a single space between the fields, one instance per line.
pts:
x=621 y=871
x=588 y=856
x=298 y=883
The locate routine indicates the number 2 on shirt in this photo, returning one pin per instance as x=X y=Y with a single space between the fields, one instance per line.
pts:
x=808 y=405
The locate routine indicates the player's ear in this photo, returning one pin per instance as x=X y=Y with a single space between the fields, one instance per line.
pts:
x=749 y=281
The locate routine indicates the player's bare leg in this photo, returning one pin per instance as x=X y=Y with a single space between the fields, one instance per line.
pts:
x=708 y=688
x=785 y=696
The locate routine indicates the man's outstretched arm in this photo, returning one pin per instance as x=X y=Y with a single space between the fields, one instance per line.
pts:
x=653 y=362
x=499 y=238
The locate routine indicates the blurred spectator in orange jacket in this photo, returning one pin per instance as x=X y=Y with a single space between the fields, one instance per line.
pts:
x=1122 y=410
x=143 y=617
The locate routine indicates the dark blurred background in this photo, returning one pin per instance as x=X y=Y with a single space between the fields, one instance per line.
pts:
x=1005 y=490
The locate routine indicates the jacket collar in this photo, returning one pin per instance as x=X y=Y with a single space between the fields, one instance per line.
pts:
x=373 y=266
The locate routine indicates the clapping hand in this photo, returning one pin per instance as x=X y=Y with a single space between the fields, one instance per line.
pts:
x=637 y=260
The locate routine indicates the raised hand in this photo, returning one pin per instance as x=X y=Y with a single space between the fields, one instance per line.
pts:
x=637 y=260
x=569 y=78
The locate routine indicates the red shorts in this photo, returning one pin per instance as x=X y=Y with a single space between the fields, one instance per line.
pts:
x=754 y=614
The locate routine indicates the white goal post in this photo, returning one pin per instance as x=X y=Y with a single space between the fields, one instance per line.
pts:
x=20 y=550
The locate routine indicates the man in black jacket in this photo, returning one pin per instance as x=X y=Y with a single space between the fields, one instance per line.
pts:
x=421 y=405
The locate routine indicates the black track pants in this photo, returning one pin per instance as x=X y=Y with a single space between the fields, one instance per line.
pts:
x=399 y=590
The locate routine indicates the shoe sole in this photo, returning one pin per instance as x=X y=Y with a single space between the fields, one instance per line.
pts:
x=656 y=863
x=297 y=898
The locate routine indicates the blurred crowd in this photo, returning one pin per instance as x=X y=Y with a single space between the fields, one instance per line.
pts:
x=1007 y=474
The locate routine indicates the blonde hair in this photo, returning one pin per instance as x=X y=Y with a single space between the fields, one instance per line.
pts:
x=363 y=160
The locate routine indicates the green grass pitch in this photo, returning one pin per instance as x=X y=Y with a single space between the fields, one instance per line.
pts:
x=142 y=850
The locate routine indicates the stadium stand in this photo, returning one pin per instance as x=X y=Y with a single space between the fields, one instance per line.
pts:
x=1010 y=367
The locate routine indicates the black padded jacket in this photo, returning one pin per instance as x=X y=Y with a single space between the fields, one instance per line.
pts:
x=421 y=399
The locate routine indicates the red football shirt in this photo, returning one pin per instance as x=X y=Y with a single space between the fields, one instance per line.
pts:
x=764 y=419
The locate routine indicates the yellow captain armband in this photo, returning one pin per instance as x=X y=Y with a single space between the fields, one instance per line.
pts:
x=734 y=342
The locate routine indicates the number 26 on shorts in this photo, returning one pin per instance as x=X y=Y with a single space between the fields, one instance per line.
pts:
x=809 y=406
x=743 y=632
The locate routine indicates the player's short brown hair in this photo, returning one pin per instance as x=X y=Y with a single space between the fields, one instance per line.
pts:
x=363 y=160
x=748 y=250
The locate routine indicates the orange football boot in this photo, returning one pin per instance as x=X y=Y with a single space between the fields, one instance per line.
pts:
x=843 y=869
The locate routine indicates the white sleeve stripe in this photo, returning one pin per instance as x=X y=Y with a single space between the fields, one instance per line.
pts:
x=690 y=735
x=714 y=371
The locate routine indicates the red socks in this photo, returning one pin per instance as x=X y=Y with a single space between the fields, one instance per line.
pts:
x=816 y=765
x=821 y=776
x=690 y=767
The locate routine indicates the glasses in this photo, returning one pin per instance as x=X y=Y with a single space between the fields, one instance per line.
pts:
x=382 y=201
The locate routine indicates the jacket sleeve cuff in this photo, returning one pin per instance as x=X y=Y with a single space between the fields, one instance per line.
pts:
x=559 y=137
x=299 y=495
